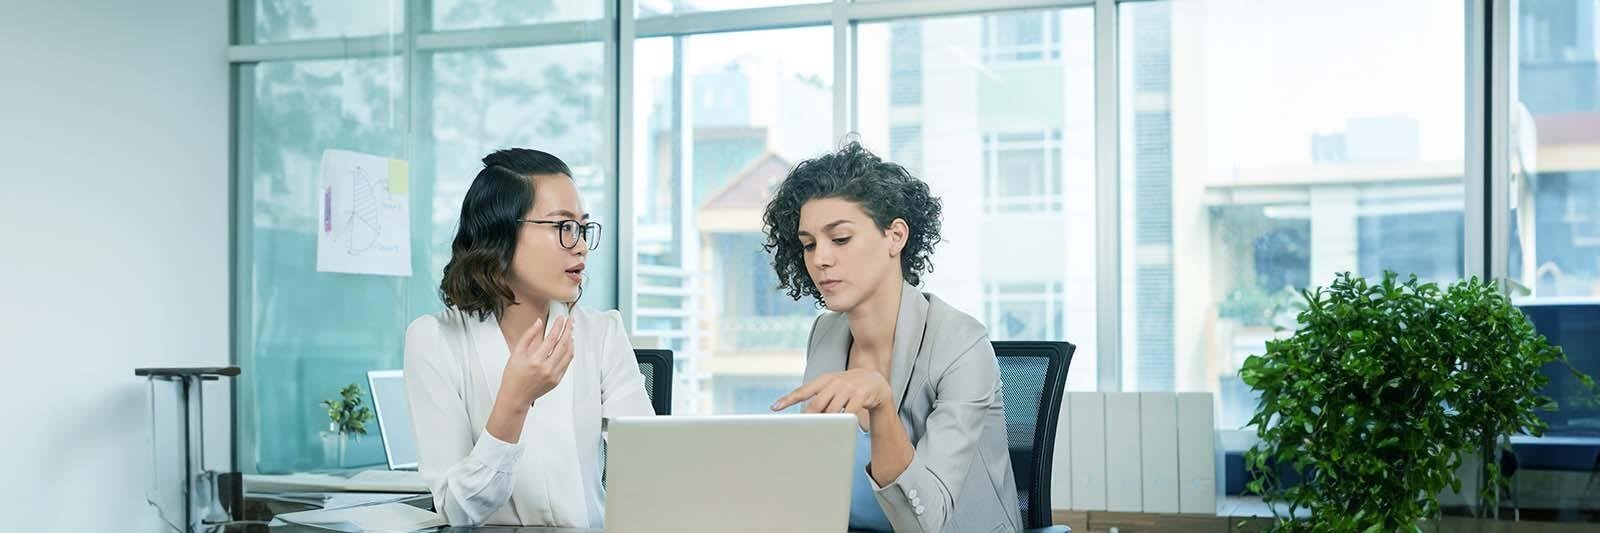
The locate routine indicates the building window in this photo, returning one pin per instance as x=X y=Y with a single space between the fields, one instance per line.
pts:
x=1021 y=37
x=1022 y=172
x=1024 y=311
x=905 y=64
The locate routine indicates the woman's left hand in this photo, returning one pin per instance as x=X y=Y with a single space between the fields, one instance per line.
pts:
x=840 y=392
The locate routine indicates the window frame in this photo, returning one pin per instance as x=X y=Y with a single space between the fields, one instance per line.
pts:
x=1487 y=113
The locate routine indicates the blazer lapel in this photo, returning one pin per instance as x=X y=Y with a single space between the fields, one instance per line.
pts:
x=908 y=329
x=832 y=349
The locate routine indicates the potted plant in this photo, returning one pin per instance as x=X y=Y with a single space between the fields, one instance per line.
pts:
x=347 y=418
x=1381 y=392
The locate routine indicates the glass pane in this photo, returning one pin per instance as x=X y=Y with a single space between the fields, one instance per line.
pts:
x=1251 y=172
x=549 y=98
x=650 y=8
x=720 y=118
x=314 y=332
x=287 y=20
x=459 y=14
x=1555 y=191
x=1008 y=143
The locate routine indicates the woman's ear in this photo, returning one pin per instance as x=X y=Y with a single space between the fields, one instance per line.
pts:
x=897 y=233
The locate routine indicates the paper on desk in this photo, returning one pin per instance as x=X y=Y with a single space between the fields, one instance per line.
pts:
x=340 y=500
x=379 y=517
x=334 y=500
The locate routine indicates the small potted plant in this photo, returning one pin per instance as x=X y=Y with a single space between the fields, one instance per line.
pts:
x=1383 y=389
x=347 y=419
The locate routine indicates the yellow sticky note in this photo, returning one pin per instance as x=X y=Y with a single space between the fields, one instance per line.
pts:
x=399 y=177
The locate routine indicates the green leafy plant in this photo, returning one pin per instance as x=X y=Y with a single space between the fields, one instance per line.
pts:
x=346 y=414
x=1383 y=390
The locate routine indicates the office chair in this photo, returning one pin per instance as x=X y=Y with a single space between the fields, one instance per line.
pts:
x=1033 y=376
x=656 y=365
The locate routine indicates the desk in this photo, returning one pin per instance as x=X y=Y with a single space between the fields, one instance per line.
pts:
x=502 y=529
x=263 y=510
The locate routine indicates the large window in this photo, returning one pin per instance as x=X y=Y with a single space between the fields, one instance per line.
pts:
x=1554 y=189
x=303 y=333
x=1242 y=151
x=311 y=332
x=290 y=20
x=719 y=119
x=1009 y=146
x=1251 y=171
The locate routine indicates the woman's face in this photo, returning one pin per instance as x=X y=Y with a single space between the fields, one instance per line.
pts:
x=847 y=256
x=541 y=267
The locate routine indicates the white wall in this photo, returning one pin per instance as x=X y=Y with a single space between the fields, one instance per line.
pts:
x=113 y=243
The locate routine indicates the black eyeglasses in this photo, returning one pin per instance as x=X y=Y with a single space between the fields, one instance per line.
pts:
x=571 y=230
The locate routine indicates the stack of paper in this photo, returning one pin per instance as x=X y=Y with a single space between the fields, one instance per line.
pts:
x=379 y=517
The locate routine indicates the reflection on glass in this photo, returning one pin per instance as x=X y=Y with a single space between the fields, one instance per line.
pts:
x=313 y=333
x=547 y=98
x=461 y=14
x=713 y=134
x=285 y=20
x=996 y=113
x=1251 y=172
x=1555 y=192
x=650 y=8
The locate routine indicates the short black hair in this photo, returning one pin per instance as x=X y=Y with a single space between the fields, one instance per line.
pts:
x=885 y=190
x=486 y=234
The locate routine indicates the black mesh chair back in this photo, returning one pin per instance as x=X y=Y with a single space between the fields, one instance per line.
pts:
x=1033 y=376
x=656 y=365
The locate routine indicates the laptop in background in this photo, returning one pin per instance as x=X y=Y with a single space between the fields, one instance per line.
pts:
x=399 y=449
x=394 y=418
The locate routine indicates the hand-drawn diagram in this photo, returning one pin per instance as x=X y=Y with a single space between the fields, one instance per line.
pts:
x=365 y=225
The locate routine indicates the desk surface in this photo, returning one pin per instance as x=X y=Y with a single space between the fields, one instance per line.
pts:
x=264 y=509
x=502 y=529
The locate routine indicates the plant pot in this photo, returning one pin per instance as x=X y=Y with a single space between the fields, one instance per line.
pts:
x=335 y=446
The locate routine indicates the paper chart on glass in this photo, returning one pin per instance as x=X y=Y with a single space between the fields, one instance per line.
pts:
x=364 y=215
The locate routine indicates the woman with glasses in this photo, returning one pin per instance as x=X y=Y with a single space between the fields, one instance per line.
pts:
x=857 y=234
x=508 y=385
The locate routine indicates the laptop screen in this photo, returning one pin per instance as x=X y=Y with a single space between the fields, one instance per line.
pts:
x=394 y=418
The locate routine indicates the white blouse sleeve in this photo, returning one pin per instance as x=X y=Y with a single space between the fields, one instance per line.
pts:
x=622 y=386
x=470 y=477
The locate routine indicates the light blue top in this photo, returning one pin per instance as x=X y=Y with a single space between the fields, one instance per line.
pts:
x=865 y=513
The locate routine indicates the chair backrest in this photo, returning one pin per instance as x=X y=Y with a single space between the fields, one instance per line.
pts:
x=656 y=365
x=1033 y=376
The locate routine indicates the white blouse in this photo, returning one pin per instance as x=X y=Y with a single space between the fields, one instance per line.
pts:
x=453 y=367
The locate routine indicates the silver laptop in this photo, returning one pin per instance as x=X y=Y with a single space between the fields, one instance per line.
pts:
x=394 y=418
x=737 y=473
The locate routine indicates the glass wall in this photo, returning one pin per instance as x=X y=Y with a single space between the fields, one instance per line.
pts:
x=996 y=113
x=1554 y=191
x=1258 y=160
x=1257 y=148
x=718 y=119
x=304 y=333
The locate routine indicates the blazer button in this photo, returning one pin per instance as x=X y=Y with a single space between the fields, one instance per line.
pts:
x=916 y=502
x=912 y=493
x=920 y=509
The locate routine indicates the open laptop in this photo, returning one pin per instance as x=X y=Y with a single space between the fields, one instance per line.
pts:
x=394 y=418
x=738 y=473
x=399 y=449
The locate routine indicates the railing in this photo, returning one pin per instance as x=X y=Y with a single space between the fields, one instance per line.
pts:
x=742 y=333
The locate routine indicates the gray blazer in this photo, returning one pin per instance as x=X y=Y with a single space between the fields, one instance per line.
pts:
x=947 y=383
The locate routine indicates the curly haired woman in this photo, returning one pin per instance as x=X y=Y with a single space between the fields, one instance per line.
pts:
x=857 y=234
